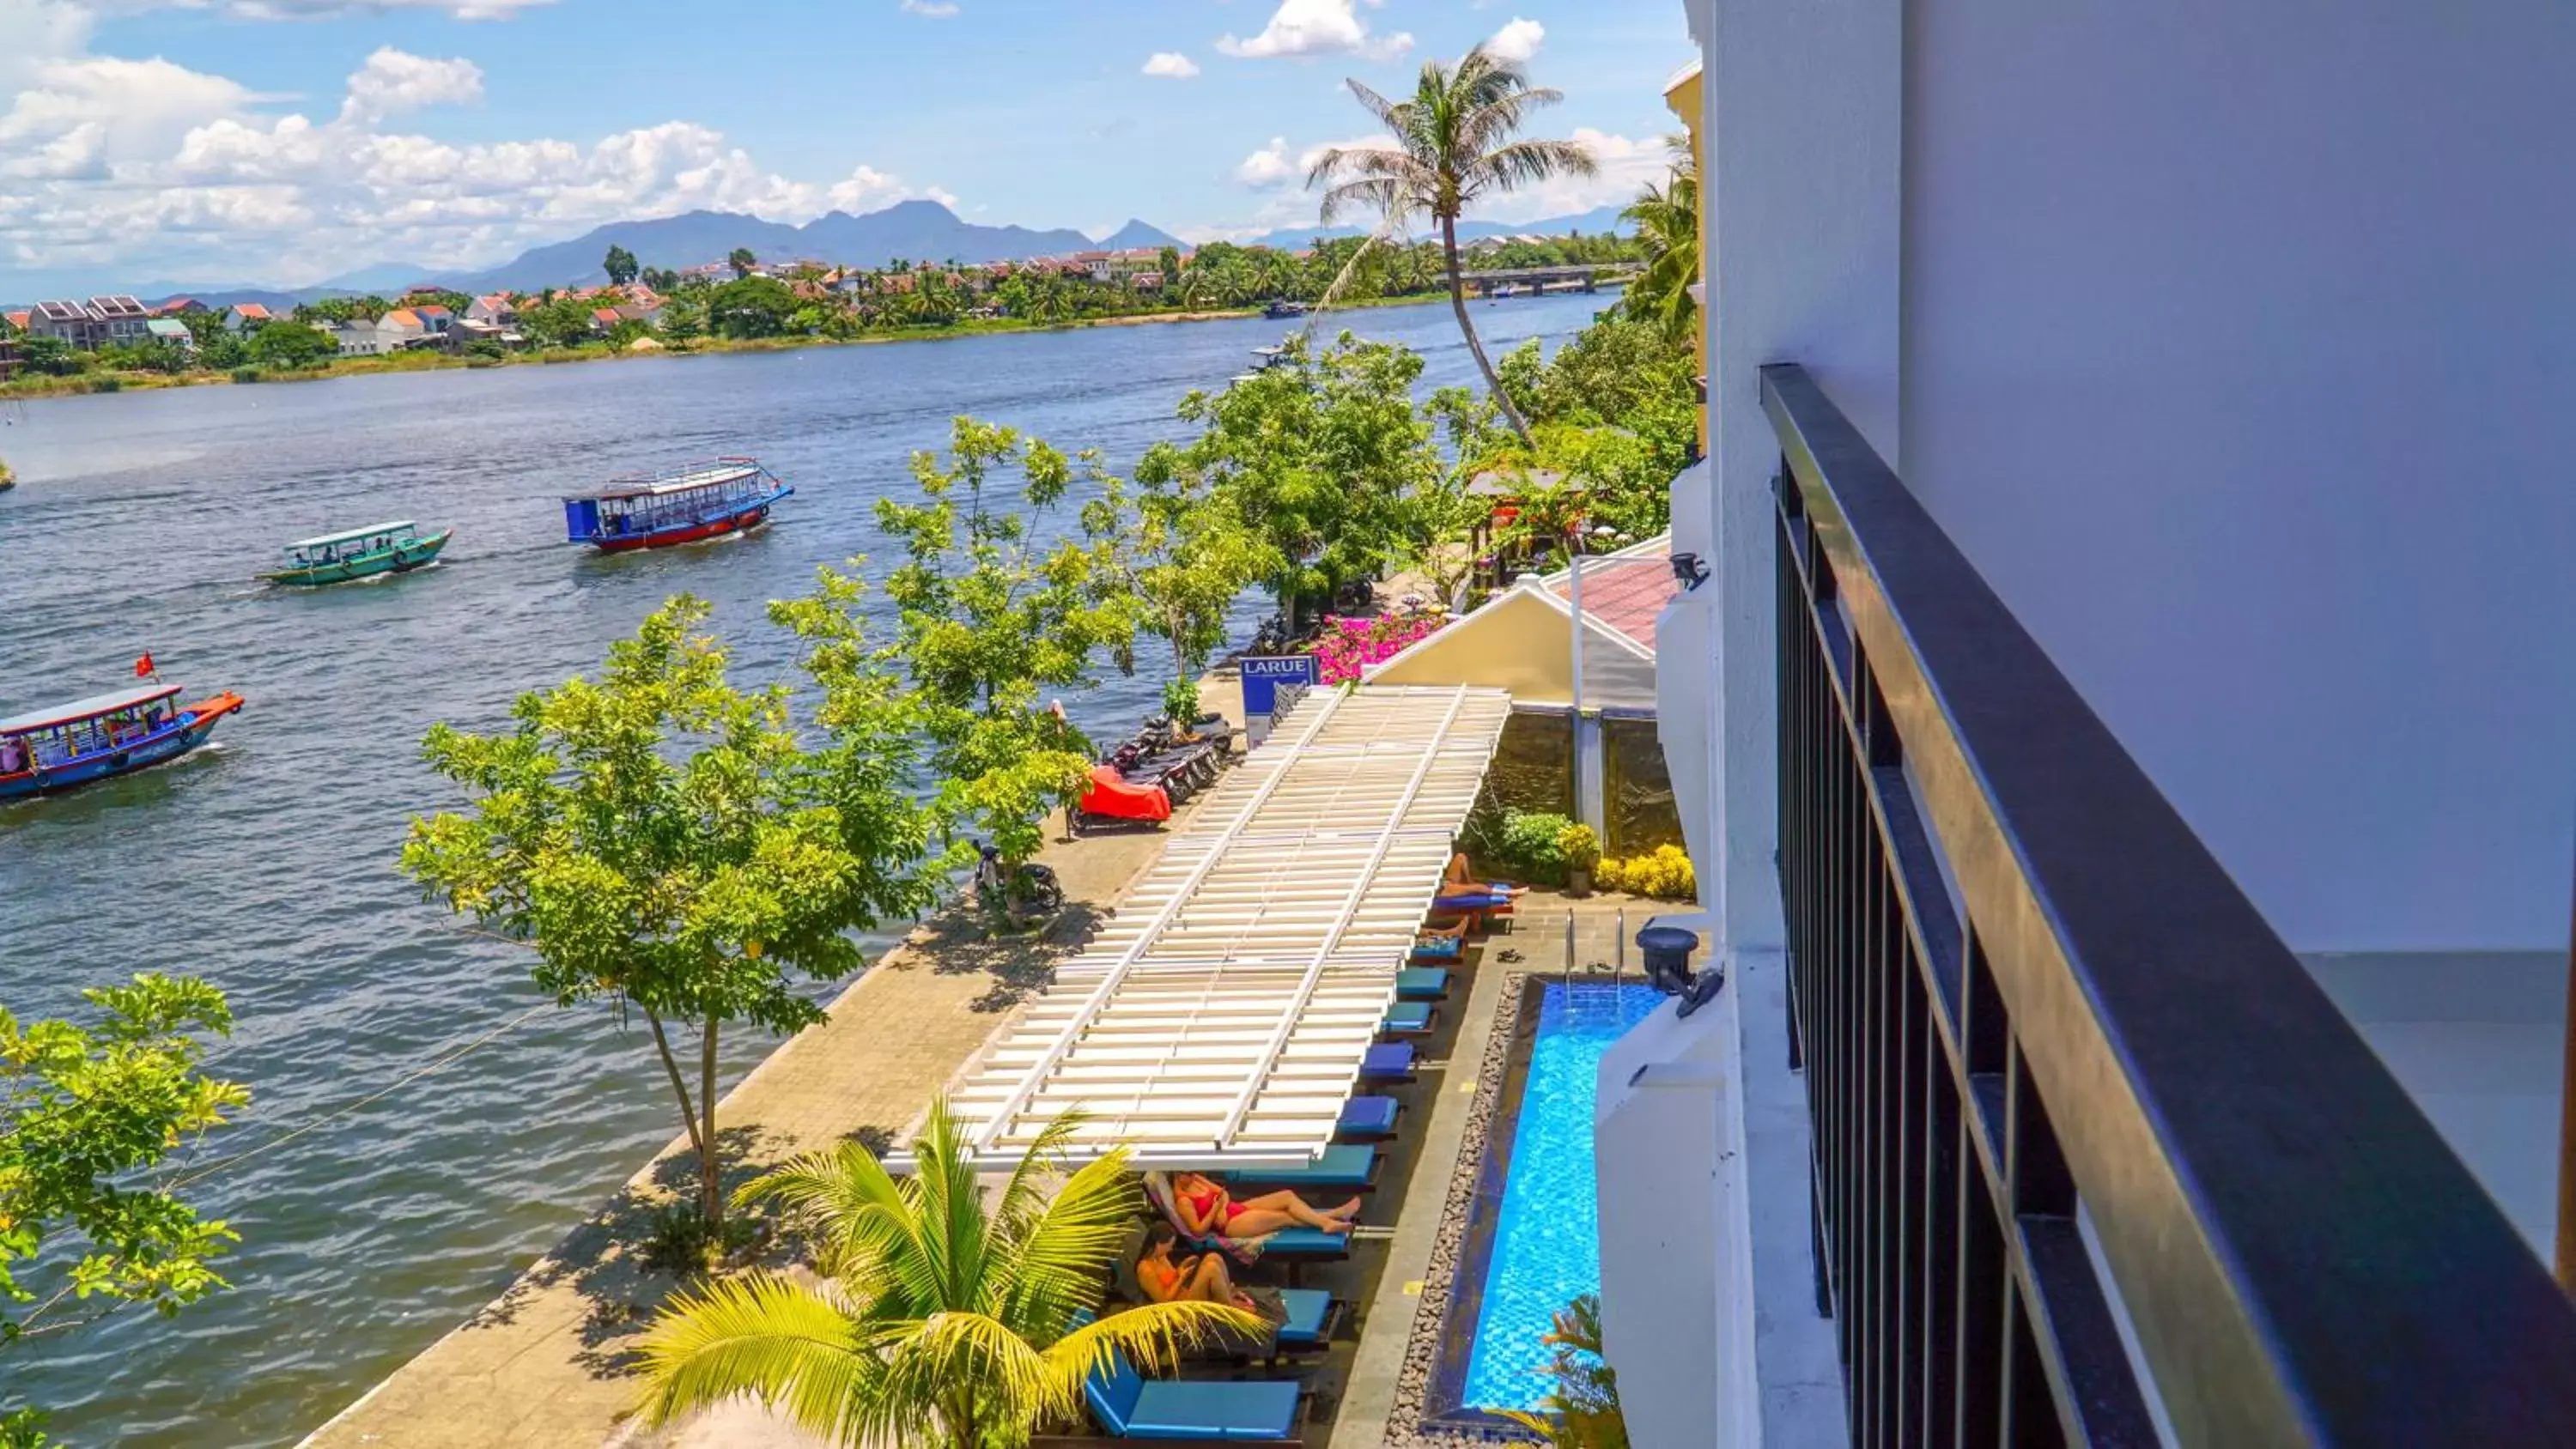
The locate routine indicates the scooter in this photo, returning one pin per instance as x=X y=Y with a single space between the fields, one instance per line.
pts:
x=1040 y=892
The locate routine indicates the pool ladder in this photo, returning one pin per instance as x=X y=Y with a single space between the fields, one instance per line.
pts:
x=1585 y=990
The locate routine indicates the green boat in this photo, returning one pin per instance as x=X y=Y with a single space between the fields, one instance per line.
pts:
x=361 y=553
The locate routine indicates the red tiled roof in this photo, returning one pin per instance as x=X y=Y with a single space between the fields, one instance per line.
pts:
x=250 y=309
x=605 y=315
x=1626 y=593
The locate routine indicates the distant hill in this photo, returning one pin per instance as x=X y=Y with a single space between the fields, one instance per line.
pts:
x=1137 y=234
x=905 y=231
x=1591 y=223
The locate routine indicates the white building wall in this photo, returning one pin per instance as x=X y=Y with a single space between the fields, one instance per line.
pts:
x=2240 y=356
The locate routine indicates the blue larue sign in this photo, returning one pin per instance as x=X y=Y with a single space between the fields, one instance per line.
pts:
x=1264 y=673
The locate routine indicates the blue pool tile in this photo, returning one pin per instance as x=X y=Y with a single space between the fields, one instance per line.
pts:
x=1547 y=1248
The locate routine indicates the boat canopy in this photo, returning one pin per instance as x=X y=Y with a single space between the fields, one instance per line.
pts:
x=352 y=536
x=682 y=480
x=85 y=709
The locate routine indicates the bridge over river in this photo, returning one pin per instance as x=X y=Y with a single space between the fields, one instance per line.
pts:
x=1583 y=278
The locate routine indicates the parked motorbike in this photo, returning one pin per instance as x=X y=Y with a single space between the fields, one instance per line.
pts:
x=1040 y=893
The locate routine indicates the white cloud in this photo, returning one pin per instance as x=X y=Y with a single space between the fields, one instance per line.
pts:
x=394 y=81
x=1317 y=27
x=134 y=168
x=1267 y=166
x=1626 y=165
x=935 y=9
x=1171 y=64
x=1517 y=42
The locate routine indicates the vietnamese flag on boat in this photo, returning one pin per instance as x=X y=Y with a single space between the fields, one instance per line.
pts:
x=143 y=666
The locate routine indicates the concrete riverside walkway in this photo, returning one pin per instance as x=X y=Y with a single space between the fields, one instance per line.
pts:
x=547 y=1364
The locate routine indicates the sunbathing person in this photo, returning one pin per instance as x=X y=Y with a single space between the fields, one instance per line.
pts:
x=1169 y=1277
x=1207 y=1209
x=1460 y=879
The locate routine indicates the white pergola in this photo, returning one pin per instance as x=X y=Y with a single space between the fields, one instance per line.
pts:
x=1220 y=1020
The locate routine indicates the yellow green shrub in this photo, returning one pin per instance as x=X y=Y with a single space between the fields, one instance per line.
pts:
x=1664 y=874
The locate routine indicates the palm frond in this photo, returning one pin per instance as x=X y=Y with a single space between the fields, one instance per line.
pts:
x=773 y=1339
x=1388 y=113
x=864 y=1216
x=1391 y=197
x=1062 y=1263
x=1526 y=163
x=1152 y=1336
x=1009 y=1379
x=1018 y=1205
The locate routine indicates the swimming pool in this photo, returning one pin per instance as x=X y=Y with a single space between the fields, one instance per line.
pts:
x=1544 y=1244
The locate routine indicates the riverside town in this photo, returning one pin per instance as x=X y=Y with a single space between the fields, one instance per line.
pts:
x=1693 y=725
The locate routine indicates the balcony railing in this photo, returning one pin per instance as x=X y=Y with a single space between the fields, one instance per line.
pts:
x=2096 y=1162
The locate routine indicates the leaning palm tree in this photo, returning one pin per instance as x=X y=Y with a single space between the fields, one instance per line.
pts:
x=1667 y=222
x=945 y=1317
x=1451 y=146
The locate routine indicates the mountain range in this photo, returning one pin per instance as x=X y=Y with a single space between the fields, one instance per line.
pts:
x=915 y=230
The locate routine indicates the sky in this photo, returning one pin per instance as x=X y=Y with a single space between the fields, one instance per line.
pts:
x=282 y=142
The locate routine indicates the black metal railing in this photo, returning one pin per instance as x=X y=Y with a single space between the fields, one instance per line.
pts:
x=2096 y=1162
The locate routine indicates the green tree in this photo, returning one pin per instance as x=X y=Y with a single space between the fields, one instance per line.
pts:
x=1453 y=145
x=1317 y=458
x=751 y=307
x=953 y=1318
x=1667 y=222
x=51 y=356
x=661 y=279
x=1183 y=559
x=666 y=844
x=990 y=619
x=90 y=1115
x=684 y=318
x=558 y=322
x=742 y=261
x=620 y=266
x=290 y=344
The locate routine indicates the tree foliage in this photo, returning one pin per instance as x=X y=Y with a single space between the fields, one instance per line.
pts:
x=90 y=1113
x=666 y=843
x=992 y=616
x=751 y=307
x=1667 y=220
x=620 y=265
x=952 y=1317
x=290 y=344
x=1581 y=1411
x=1318 y=460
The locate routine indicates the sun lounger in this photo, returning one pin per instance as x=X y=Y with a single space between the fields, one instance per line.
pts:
x=1302 y=1320
x=1368 y=1119
x=1290 y=1246
x=1386 y=1062
x=1422 y=983
x=1444 y=950
x=1409 y=1018
x=1181 y=1412
x=1344 y=1167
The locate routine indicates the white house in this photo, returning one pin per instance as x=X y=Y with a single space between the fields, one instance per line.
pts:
x=2124 y=732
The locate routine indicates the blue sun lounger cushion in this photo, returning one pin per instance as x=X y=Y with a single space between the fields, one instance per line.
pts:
x=1444 y=948
x=1388 y=1062
x=1422 y=983
x=1368 y=1119
x=1130 y=1406
x=1342 y=1165
x=1308 y=1308
x=1409 y=1018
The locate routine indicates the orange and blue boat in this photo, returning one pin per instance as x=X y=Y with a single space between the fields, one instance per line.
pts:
x=688 y=504
x=99 y=738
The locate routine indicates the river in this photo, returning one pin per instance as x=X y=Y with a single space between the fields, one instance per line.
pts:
x=266 y=863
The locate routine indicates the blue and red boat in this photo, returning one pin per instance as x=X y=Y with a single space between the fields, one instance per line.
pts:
x=103 y=736
x=682 y=505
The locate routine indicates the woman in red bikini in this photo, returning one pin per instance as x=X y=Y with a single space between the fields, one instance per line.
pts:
x=1206 y=1208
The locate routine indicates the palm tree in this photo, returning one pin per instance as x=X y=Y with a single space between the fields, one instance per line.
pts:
x=1453 y=145
x=1667 y=222
x=946 y=1318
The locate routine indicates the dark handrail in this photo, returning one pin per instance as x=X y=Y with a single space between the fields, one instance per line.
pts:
x=2299 y=1255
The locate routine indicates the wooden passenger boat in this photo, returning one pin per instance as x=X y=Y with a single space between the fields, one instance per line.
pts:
x=106 y=735
x=361 y=553
x=682 y=505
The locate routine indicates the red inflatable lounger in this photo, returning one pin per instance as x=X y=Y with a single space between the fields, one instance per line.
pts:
x=1112 y=796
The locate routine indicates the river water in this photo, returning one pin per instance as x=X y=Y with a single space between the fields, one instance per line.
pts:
x=266 y=863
